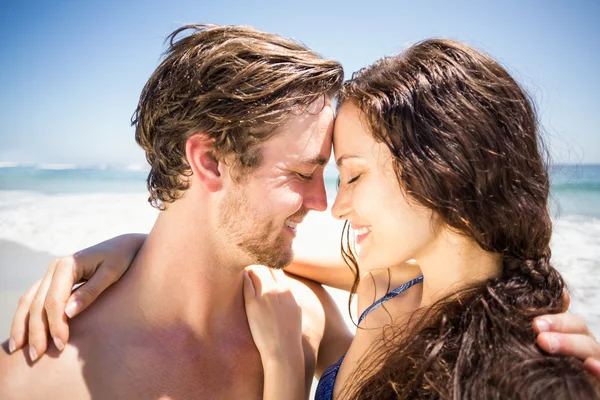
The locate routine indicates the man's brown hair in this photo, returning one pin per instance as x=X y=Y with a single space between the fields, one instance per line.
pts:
x=236 y=85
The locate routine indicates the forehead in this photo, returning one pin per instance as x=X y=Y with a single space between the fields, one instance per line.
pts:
x=304 y=136
x=349 y=133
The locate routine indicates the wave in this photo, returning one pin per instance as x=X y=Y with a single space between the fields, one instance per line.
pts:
x=57 y=167
x=79 y=167
x=137 y=167
x=577 y=187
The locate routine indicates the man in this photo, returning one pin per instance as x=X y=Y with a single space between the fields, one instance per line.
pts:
x=236 y=125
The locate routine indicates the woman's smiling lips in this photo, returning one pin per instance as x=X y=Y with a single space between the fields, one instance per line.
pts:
x=361 y=232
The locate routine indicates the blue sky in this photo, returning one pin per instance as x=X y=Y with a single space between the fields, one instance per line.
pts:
x=71 y=71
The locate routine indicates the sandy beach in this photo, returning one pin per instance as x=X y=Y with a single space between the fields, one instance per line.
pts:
x=20 y=266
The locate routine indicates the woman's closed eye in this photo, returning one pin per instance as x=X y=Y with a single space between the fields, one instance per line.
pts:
x=352 y=180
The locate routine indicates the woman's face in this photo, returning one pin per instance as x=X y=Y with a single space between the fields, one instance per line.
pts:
x=389 y=228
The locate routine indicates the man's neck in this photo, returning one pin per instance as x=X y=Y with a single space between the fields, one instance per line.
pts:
x=181 y=277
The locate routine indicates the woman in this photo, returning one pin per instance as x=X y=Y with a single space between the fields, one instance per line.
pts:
x=439 y=158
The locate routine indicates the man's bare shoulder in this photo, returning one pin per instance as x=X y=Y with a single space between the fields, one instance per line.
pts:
x=14 y=371
x=311 y=294
x=307 y=293
x=50 y=376
x=327 y=323
x=317 y=304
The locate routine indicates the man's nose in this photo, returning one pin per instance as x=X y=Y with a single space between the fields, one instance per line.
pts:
x=315 y=197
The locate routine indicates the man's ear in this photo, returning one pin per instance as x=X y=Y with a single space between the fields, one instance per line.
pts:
x=200 y=155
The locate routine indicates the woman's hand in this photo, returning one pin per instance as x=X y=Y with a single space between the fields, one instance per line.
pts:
x=47 y=304
x=275 y=320
x=568 y=334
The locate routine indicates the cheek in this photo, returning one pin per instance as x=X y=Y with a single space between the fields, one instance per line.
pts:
x=406 y=228
x=285 y=200
x=399 y=240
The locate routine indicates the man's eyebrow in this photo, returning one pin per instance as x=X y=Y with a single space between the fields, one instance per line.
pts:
x=318 y=160
x=343 y=158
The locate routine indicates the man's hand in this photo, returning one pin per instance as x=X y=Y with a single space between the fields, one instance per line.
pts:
x=568 y=334
x=46 y=305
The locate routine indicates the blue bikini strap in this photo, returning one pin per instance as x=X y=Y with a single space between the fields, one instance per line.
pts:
x=390 y=295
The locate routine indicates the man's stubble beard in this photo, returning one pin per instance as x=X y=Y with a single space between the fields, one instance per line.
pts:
x=252 y=234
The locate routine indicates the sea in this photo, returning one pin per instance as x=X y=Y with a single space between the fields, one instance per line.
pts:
x=61 y=208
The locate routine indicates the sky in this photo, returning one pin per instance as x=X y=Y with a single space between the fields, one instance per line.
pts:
x=71 y=71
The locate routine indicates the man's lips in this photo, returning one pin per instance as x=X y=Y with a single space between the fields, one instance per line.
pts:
x=292 y=225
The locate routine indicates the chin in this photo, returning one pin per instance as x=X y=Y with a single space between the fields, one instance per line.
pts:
x=366 y=264
x=284 y=258
x=288 y=257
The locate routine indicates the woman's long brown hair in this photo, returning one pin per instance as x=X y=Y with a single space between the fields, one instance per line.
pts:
x=465 y=141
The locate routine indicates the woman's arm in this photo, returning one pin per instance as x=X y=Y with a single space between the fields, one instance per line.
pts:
x=275 y=320
x=327 y=269
x=47 y=304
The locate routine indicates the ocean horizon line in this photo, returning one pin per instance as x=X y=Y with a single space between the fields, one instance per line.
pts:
x=144 y=166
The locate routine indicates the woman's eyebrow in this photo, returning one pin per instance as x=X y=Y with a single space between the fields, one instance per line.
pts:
x=343 y=158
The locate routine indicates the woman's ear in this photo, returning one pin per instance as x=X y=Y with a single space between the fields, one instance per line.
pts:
x=204 y=164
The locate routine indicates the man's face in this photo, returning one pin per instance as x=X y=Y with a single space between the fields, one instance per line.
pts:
x=259 y=215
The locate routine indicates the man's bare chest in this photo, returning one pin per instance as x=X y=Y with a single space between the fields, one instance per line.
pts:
x=163 y=371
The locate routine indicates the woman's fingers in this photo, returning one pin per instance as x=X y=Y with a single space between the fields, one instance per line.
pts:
x=101 y=265
x=262 y=279
x=279 y=278
x=63 y=279
x=249 y=293
x=274 y=317
x=87 y=293
x=38 y=322
x=20 y=324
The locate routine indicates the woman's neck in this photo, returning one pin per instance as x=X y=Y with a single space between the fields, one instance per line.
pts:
x=452 y=262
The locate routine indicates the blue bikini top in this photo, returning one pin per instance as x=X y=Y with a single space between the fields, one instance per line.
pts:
x=325 y=386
